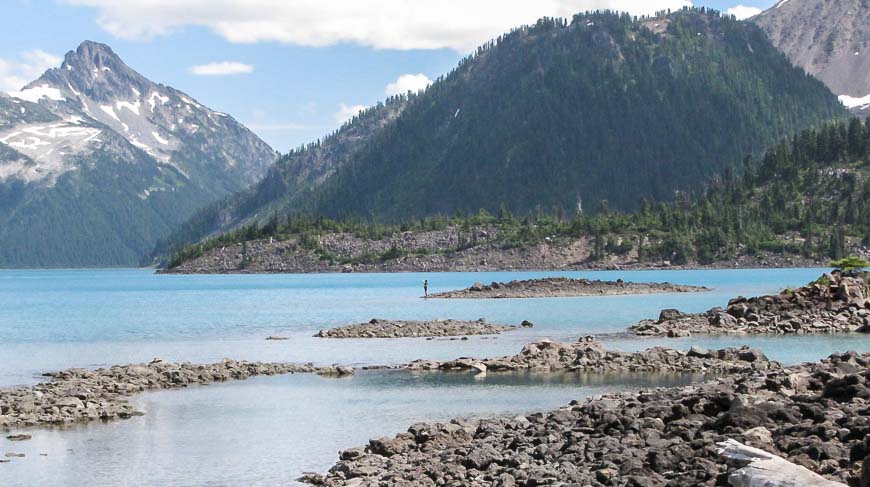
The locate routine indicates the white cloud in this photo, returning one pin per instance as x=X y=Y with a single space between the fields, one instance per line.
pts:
x=345 y=113
x=222 y=69
x=406 y=83
x=29 y=66
x=461 y=25
x=743 y=12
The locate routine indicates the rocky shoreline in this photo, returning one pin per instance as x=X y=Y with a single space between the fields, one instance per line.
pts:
x=589 y=355
x=79 y=395
x=560 y=287
x=442 y=251
x=813 y=415
x=377 y=328
x=833 y=304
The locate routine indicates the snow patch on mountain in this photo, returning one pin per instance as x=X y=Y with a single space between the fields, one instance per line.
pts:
x=152 y=100
x=851 y=102
x=159 y=138
x=48 y=146
x=37 y=93
x=133 y=107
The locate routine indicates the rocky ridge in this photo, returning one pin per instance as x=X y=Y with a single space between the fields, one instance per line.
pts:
x=553 y=287
x=377 y=328
x=130 y=158
x=813 y=415
x=589 y=355
x=78 y=395
x=833 y=304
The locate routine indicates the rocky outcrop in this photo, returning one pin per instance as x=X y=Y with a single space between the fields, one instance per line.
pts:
x=444 y=250
x=833 y=304
x=76 y=395
x=812 y=415
x=377 y=328
x=589 y=355
x=560 y=287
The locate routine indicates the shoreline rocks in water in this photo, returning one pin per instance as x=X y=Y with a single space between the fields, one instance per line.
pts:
x=78 y=395
x=833 y=304
x=812 y=415
x=378 y=328
x=589 y=355
x=562 y=287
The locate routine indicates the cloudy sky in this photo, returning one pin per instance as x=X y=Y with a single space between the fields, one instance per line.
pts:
x=292 y=70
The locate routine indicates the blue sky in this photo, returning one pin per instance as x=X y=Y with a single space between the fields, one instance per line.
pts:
x=300 y=66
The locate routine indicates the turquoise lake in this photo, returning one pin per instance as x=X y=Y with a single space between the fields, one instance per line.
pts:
x=268 y=430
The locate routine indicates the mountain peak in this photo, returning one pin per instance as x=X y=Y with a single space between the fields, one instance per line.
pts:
x=95 y=70
x=92 y=54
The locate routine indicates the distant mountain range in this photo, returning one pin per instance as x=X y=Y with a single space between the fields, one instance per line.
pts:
x=830 y=39
x=97 y=163
x=604 y=107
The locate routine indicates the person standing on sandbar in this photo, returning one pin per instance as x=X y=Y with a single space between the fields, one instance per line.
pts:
x=425 y=288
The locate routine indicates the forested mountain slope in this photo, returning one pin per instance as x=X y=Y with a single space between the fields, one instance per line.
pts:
x=604 y=107
x=804 y=202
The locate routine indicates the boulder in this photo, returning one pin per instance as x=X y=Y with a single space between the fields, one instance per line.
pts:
x=670 y=314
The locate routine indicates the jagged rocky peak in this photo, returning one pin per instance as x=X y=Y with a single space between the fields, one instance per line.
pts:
x=95 y=71
x=94 y=125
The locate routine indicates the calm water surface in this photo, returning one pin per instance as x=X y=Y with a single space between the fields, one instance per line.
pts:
x=266 y=431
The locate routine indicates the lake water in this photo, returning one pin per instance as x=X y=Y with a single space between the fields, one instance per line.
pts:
x=266 y=431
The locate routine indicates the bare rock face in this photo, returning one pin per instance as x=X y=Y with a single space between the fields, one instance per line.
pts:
x=833 y=304
x=811 y=415
x=563 y=287
x=830 y=39
x=377 y=328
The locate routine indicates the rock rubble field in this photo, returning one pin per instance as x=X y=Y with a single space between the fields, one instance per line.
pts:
x=813 y=415
x=378 y=328
x=78 y=395
x=833 y=304
x=589 y=355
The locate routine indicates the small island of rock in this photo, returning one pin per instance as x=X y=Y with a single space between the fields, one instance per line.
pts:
x=563 y=287
x=378 y=328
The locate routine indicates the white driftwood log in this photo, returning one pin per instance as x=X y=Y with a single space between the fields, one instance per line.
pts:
x=768 y=470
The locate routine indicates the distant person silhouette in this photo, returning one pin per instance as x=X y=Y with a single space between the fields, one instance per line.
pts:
x=426 y=288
